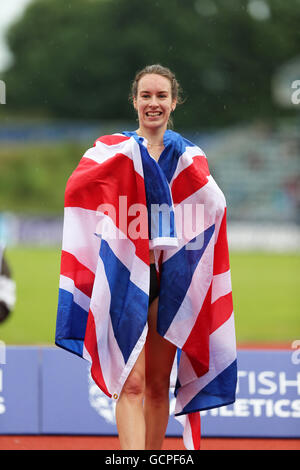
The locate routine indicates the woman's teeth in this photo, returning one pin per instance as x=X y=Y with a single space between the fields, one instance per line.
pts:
x=158 y=113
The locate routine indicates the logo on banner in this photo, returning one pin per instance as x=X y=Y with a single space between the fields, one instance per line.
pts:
x=100 y=402
x=268 y=396
x=265 y=394
x=104 y=406
x=296 y=353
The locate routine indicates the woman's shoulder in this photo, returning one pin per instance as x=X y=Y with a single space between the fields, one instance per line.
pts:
x=182 y=143
x=112 y=139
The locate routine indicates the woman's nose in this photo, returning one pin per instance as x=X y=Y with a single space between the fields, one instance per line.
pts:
x=153 y=101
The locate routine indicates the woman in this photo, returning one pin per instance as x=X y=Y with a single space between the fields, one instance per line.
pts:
x=107 y=314
x=142 y=411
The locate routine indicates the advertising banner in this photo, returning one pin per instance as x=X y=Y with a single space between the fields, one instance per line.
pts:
x=73 y=403
x=267 y=401
x=46 y=390
x=19 y=390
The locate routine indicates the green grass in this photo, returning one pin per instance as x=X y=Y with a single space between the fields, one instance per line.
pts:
x=266 y=294
x=33 y=177
x=36 y=271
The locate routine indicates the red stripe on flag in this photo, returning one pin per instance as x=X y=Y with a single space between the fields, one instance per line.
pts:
x=221 y=311
x=196 y=174
x=195 y=424
x=111 y=139
x=90 y=343
x=83 y=278
x=93 y=185
x=221 y=254
x=197 y=345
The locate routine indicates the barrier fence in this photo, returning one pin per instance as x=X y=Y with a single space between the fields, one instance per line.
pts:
x=46 y=390
x=47 y=231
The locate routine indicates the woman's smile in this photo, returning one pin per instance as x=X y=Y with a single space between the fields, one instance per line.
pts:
x=153 y=113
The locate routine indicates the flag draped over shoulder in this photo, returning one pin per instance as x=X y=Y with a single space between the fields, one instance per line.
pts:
x=119 y=202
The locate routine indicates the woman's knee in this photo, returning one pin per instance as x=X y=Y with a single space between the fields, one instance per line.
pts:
x=134 y=386
x=158 y=389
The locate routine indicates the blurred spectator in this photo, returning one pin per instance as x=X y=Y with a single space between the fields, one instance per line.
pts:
x=292 y=188
x=7 y=288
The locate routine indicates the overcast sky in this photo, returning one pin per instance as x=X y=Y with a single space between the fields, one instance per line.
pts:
x=10 y=10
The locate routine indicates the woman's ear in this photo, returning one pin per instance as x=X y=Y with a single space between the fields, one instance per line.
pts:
x=134 y=103
x=174 y=103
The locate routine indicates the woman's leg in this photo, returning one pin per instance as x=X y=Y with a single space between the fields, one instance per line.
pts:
x=129 y=409
x=160 y=355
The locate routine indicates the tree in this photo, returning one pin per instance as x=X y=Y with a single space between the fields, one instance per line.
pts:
x=77 y=59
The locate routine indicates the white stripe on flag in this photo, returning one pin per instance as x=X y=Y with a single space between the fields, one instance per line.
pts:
x=110 y=356
x=186 y=159
x=221 y=285
x=79 y=297
x=124 y=250
x=211 y=199
x=187 y=431
x=185 y=318
x=85 y=244
x=79 y=237
x=129 y=148
x=114 y=369
x=223 y=352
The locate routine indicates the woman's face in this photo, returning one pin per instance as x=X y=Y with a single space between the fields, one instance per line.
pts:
x=154 y=102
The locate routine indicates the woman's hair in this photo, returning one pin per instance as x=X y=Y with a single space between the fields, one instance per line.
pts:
x=164 y=72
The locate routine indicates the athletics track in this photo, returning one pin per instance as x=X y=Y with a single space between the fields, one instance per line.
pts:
x=51 y=442
x=112 y=443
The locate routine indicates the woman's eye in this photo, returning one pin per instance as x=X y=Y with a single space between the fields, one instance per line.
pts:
x=162 y=96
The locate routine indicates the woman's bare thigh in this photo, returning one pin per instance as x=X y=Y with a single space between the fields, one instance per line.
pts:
x=160 y=353
x=157 y=356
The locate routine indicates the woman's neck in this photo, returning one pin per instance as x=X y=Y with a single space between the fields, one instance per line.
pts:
x=155 y=138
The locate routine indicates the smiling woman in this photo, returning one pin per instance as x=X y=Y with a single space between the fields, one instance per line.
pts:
x=128 y=304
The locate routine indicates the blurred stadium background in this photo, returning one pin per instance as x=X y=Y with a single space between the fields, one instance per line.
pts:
x=67 y=68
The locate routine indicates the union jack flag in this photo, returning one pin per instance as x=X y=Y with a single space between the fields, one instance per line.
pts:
x=109 y=226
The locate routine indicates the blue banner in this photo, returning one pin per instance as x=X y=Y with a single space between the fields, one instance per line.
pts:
x=268 y=398
x=73 y=403
x=46 y=390
x=20 y=391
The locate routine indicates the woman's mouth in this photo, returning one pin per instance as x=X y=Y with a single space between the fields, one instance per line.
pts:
x=153 y=113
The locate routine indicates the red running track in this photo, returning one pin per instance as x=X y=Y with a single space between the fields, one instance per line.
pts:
x=112 y=443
